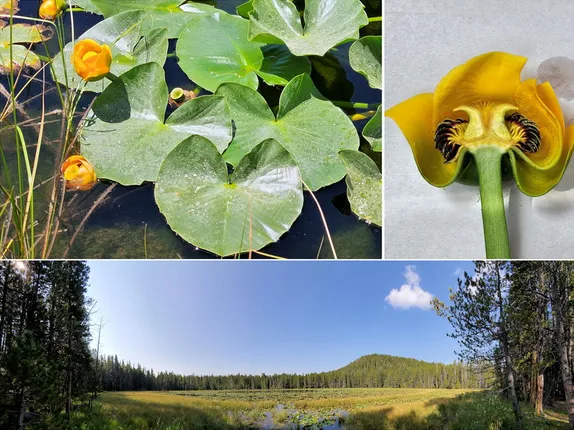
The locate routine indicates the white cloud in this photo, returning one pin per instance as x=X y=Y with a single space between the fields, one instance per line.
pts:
x=410 y=295
x=458 y=272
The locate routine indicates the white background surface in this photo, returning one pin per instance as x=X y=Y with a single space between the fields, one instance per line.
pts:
x=424 y=40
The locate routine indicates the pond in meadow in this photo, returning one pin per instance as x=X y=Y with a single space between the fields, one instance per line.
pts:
x=276 y=151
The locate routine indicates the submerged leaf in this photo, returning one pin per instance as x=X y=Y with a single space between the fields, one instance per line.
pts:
x=365 y=58
x=364 y=186
x=313 y=131
x=126 y=138
x=229 y=214
x=327 y=24
x=130 y=47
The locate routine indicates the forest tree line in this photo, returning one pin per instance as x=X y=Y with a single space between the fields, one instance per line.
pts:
x=518 y=317
x=513 y=321
x=371 y=371
x=45 y=359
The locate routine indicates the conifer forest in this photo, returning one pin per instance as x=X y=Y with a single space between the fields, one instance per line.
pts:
x=513 y=322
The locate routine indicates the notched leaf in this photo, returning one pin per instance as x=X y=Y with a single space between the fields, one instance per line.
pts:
x=16 y=42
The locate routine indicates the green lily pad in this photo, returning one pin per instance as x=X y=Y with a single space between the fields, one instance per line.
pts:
x=373 y=131
x=131 y=48
x=313 y=131
x=21 y=55
x=24 y=33
x=365 y=58
x=280 y=66
x=327 y=24
x=7 y=6
x=364 y=186
x=126 y=138
x=300 y=89
x=229 y=214
x=171 y=14
x=214 y=49
x=88 y=6
x=244 y=8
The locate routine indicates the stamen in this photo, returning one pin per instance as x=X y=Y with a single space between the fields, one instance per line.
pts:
x=447 y=134
x=524 y=132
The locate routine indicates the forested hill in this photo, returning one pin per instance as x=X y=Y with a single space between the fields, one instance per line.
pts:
x=380 y=370
x=375 y=370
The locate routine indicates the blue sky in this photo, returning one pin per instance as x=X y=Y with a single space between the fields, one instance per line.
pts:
x=215 y=317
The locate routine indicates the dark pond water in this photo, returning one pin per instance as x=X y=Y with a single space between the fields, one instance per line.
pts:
x=295 y=419
x=116 y=228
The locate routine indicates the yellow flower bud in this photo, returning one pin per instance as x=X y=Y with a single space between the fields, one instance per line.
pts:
x=79 y=173
x=91 y=60
x=50 y=9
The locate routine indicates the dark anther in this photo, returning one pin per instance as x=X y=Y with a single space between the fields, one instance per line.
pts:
x=528 y=134
x=444 y=137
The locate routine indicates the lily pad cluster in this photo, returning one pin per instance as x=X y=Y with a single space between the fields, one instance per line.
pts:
x=229 y=169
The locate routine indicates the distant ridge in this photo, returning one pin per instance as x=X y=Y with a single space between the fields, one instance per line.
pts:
x=369 y=371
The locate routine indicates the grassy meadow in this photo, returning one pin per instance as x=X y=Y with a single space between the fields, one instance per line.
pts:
x=360 y=408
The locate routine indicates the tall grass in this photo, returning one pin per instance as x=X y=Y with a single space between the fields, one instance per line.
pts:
x=26 y=232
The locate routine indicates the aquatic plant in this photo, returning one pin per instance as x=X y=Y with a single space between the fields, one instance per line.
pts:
x=230 y=167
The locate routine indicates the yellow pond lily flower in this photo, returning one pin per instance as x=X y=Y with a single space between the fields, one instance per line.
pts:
x=480 y=116
x=484 y=104
x=91 y=60
x=79 y=173
x=50 y=9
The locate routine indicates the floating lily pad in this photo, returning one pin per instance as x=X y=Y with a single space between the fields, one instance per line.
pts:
x=126 y=138
x=130 y=48
x=244 y=8
x=214 y=49
x=21 y=55
x=327 y=24
x=171 y=14
x=364 y=186
x=88 y=6
x=373 y=131
x=365 y=58
x=229 y=214
x=313 y=131
x=300 y=89
x=7 y=5
x=280 y=66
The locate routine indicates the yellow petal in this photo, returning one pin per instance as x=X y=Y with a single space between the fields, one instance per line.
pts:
x=414 y=118
x=71 y=172
x=491 y=77
x=535 y=182
x=551 y=131
x=548 y=97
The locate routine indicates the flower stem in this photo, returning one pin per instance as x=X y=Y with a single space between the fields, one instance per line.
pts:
x=376 y=19
x=111 y=76
x=489 y=165
x=354 y=105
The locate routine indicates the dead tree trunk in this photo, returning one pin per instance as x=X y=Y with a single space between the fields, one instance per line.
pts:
x=560 y=293
x=506 y=351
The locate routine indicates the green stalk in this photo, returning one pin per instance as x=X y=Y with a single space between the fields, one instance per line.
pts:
x=376 y=19
x=354 y=105
x=488 y=161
